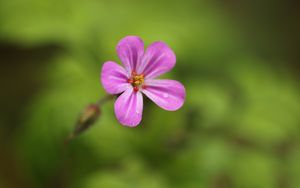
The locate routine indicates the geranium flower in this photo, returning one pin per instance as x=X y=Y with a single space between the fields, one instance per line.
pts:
x=139 y=77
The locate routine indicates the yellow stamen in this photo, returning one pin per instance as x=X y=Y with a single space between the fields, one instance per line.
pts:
x=136 y=79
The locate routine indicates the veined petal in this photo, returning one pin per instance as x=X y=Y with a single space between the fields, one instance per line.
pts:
x=114 y=78
x=157 y=60
x=129 y=108
x=168 y=94
x=130 y=51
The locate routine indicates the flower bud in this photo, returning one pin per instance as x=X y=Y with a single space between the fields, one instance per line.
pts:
x=86 y=119
x=89 y=115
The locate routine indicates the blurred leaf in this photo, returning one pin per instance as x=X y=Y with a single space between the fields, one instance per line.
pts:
x=132 y=173
x=253 y=169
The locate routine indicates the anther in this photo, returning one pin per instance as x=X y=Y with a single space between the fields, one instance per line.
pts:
x=130 y=81
x=136 y=88
x=136 y=80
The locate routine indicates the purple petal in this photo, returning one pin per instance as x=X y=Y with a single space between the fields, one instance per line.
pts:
x=168 y=94
x=114 y=78
x=129 y=108
x=157 y=60
x=130 y=51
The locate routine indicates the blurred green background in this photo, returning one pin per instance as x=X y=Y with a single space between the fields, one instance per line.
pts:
x=239 y=127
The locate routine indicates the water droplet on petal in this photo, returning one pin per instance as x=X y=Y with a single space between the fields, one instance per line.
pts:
x=138 y=112
x=165 y=95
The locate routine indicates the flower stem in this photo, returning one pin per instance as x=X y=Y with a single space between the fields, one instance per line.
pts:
x=88 y=117
x=104 y=99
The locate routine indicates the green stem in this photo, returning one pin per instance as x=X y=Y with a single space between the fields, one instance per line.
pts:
x=103 y=100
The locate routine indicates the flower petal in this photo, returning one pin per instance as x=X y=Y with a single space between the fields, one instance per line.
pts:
x=168 y=94
x=158 y=59
x=130 y=51
x=129 y=108
x=114 y=78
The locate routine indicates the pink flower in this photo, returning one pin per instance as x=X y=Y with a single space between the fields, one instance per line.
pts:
x=139 y=76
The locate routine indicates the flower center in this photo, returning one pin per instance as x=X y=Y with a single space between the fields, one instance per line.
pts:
x=136 y=80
